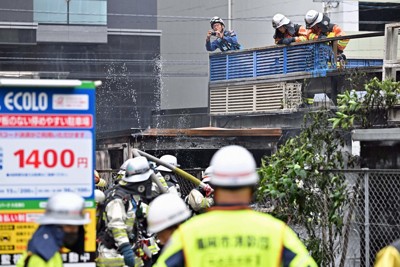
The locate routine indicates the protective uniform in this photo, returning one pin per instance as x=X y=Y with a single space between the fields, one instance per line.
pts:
x=154 y=189
x=100 y=182
x=125 y=210
x=293 y=32
x=228 y=42
x=261 y=241
x=197 y=199
x=322 y=28
x=166 y=175
x=49 y=238
x=389 y=256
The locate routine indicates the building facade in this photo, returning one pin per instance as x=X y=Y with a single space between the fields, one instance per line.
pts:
x=185 y=72
x=116 y=42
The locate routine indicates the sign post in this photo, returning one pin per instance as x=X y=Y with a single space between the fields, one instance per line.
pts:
x=47 y=145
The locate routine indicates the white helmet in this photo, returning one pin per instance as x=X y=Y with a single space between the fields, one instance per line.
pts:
x=216 y=20
x=99 y=196
x=279 y=20
x=313 y=17
x=165 y=211
x=233 y=166
x=207 y=175
x=170 y=160
x=137 y=170
x=122 y=169
x=64 y=208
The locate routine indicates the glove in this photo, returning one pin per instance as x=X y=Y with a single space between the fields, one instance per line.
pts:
x=341 y=57
x=126 y=251
x=320 y=37
x=288 y=40
x=208 y=189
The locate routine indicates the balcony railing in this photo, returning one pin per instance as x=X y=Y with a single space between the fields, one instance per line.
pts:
x=316 y=58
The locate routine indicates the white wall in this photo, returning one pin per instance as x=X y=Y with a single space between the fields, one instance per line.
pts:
x=184 y=24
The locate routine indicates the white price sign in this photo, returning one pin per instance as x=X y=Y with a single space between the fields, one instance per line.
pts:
x=37 y=164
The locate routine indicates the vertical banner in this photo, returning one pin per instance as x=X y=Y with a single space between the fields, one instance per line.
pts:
x=47 y=145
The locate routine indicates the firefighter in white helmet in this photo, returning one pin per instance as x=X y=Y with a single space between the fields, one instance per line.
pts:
x=154 y=188
x=321 y=28
x=236 y=235
x=122 y=232
x=169 y=176
x=198 y=199
x=60 y=226
x=287 y=32
x=166 y=213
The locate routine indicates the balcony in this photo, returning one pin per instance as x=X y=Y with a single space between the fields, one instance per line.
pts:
x=309 y=59
x=270 y=80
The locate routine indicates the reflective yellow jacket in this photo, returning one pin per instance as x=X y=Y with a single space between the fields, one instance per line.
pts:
x=36 y=261
x=241 y=237
x=389 y=256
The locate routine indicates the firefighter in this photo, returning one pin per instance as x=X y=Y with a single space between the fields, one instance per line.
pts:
x=198 y=199
x=170 y=178
x=99 y=182
x=225 y=40
x=236 y=235
x=122 y=233
x=60 y=226
x=321 y=28
x=165 y=214
x=389 y=256
x=287 y=32
x=155 y=190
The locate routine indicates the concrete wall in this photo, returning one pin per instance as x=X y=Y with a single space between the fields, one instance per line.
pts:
x=132 y=14
x=184 y=25
x=10 y=11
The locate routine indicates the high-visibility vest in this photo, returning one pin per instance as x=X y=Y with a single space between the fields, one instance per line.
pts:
x=32 y=260
x=236 y=238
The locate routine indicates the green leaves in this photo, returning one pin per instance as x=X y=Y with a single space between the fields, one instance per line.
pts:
x=299 y=181
x=369 y=109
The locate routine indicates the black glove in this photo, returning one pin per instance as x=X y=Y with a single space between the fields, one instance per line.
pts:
x=341 y=57
x=126 y=251
x=322 y=36
x=288 y=40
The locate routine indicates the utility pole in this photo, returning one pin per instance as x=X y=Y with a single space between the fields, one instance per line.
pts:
x=390 y=63
x=68 y=10
x=229 y=15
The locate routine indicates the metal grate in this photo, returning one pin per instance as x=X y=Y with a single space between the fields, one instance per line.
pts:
x=292 y=96
x=317 y=59
x=240 y=66
x=255 y=98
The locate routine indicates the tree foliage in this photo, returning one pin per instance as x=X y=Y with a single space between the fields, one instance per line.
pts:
x=369 y=109
x=303 y=190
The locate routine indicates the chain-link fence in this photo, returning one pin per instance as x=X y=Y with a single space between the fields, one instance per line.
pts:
x=371 y=215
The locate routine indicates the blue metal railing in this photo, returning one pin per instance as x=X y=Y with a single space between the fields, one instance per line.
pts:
x=314 y=58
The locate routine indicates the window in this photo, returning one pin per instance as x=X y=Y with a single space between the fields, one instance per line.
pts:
x=79 y=12
x=373 y=15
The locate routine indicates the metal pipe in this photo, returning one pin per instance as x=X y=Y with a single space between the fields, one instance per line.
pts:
x=229 y=14
x=153 y=175
x=366 y=223
x=174 y=169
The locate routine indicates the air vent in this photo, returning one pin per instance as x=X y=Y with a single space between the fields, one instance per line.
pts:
x=255 y=98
